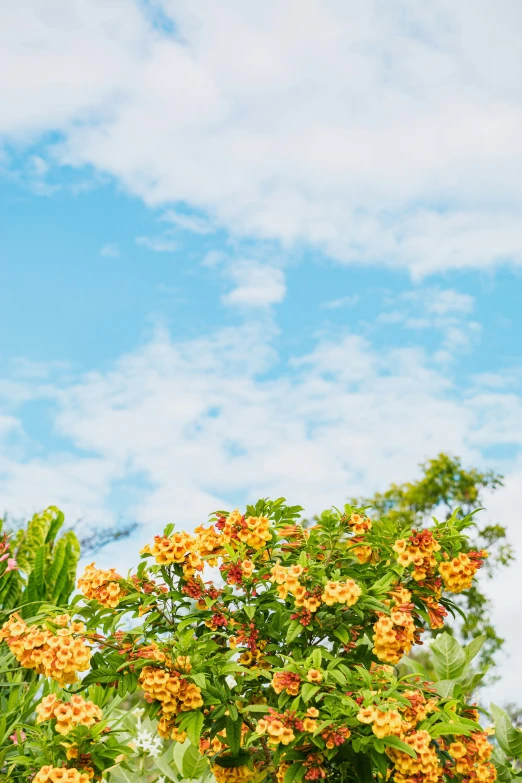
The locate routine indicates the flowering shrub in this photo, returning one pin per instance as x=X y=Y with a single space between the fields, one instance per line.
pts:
x=272 y=648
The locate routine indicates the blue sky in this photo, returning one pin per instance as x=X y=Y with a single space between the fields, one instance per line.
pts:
x=257 y=249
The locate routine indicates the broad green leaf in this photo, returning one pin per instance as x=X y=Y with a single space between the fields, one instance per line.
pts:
x=508 y=737
x=449 y=660
x=443 y=729
x=194 y=764
x=295 y=773
x=395 y=742
x=342 y=634
x=229 y=762
x=472 y=649
x=194 y=727
x=308 y=691
x=445 y=688
x=317 y=658
x=294 y=629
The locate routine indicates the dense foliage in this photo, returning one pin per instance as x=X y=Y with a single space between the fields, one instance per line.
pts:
x=445 y=488
x=270 y=647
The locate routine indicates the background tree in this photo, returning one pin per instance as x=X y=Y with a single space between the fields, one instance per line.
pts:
x=443 y=487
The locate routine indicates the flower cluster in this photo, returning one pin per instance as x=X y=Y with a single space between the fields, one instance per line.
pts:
x=75 y=712
x=287 y=581
x=398 y=719
x=359 y=523
x=104 y=586
x=279 y=727
x=50 y=774
x=425 y=767
x=240 y=774
x=472 y=756
x=286 y=681
x=175 y=694
x=252 y=531
x=180 y=548
x=419 y=551
x=59 y=653
x=394 y=636
x=383 y=723
x=458 y=573
x=341 y=593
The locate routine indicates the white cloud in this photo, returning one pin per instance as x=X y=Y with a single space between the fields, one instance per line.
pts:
x=256 y=285
x=441 y=301
x=160 y=244
x=439 y=310
x=112 y=250
x=386 y=134
x=343 y=301
x=191 y=223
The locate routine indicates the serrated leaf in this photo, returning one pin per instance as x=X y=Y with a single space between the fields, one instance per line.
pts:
x=233 y=734
x=200 y=680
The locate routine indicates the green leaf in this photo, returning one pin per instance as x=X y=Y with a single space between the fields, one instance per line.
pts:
x=233 y=733
x=508 y=737
x=442 y=729
x=395 y=742
x=229 y=762
x=342 y=634
x=194 y=764
x=445 y=688
x=472 y=649
x=295 y=773
x=294 y=629
x=449 y=660
x=56 y=565
x=308 y=691
x=317 y=658
x=200 y=680
x=383 y=584
x=55 y=525
x=194 y=727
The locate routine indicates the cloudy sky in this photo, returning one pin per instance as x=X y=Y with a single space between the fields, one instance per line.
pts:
x=259 y=249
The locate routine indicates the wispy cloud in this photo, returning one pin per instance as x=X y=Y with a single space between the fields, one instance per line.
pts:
x=111 y=250
x=439 y=310
x=159 y=244
x=194 y=224
x=343 y=301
